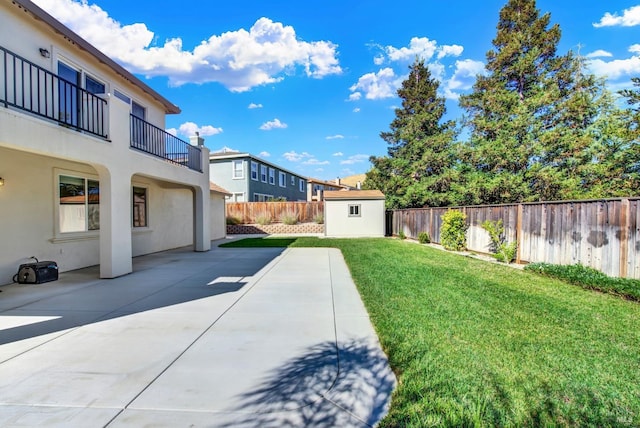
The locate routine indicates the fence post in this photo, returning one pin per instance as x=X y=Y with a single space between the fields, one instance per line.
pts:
x=625 y=208
x=519 y=233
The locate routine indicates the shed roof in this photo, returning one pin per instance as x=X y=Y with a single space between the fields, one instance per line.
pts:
x=213 y=187
x=353 y=194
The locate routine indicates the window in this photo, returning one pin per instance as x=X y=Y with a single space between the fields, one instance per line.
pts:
x=122 y=96
x=78 y=204
x=272 y=176
x=254 y=171
x=238 y=170
x=301 y=184
x=93 y=86
x=354 y=210
x=138 y=111
x=263 y=173
x=236 y=197
x=283 y=179
x=293 y=181
x=68 y=94
x=140 y=207
x=261 y=197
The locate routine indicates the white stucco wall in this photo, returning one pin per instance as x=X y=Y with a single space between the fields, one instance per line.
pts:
x=218 y=216
x=338 y=223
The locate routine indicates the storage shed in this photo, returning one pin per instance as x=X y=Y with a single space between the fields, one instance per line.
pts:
x=354 y=213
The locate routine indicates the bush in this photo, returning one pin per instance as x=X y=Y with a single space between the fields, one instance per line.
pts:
x=589 y=278
x=503 y=251
x=453 y=233
x=233 y=220
x=319 y=218
x=424 y=238
x=263 y=219
x=289 y=217
x=401 y=235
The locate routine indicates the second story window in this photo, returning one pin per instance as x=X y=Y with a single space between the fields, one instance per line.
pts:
x=138 y=111
x=283 y=179
x=293 y=181
x=301 y=184
x=263 y=173
x=254 y=171
x=272 y=176
x=238 y=170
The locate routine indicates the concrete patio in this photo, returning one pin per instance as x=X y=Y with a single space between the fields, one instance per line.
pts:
x=263 y=337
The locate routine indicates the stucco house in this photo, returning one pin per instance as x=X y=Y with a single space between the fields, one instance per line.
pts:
x=88 y=174
x=316 y=188
x=354 y=213
x=252 y=179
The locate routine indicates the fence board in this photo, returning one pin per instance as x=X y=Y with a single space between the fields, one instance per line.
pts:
x=603 y=234
x=247 y=212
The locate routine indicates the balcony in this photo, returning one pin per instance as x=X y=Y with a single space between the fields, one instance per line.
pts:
x=28 y=87
x=158 y=142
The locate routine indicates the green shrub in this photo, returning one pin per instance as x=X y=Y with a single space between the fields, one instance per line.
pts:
x=319 y=218
x=589 y=278
x=233 y=220
x=401 y=235
x=263 y=219
x=503 y=251
x=453 y=233
x=289 y=217
x=424 y=238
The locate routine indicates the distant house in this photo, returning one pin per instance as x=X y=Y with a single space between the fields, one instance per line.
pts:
x=88 y=174
x=354 y=213
x=251 y=179
x=316 y=188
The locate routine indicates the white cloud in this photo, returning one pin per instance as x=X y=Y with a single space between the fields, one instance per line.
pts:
x=418 y=46
x=354 y=159
x=293 y=156
x=254 y=105
x=273 y=124
x=630 y=18
x=356 y=110
x=382 y=84
x=314 y=161
x=239 y=60
x=226 y=149
x=355 y=96
x=338 y=154
x=599 y=54
x=264 y=154
x=619 y=67
x=172 y=131
x=463 y=78
x=335 y=137
x=449 y=50
x=189 y=129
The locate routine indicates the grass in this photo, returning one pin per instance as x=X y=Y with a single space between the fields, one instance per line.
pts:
x=479 y=344
x=590 y=279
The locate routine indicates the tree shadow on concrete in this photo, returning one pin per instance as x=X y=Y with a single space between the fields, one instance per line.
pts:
x=348 y=385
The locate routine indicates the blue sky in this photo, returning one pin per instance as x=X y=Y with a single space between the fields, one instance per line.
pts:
x=310 y=86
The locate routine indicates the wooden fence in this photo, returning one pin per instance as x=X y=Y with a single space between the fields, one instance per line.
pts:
x=247 y=212
x=602 y=234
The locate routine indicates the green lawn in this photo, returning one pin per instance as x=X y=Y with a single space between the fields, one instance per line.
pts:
x=481 y=344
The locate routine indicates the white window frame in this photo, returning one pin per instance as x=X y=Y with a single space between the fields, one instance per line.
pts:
x=355 y=210
x=282 y=178
x=301 y=185
x=86 y=232
x=263 y=173
x=262 y=197
x=237 y=173
x=272 y=176
x=254 y=171
x=293 y=180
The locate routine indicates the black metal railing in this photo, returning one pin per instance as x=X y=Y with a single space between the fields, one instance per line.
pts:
x=31 y=88
x=158 y=142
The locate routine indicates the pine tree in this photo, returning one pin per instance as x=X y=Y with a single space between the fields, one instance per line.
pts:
x=418 y=168
x=530 y=115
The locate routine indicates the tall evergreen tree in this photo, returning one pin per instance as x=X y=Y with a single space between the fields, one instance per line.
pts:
x=529 y=115
x=418 y=168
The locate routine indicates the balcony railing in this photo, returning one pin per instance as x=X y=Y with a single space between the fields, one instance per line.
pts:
x=31 y=88
x=158 y=142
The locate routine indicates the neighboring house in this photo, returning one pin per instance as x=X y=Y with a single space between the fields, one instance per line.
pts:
x=251 y=179
x=218 y=211
x=90 y=176
x=354 y=181
x=354 y=213
x=316 y=188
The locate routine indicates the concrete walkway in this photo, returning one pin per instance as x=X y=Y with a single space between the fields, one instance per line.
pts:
x=233 y=337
